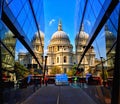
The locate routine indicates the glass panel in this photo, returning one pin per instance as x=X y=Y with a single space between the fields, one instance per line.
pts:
x=22 y=17
x=15 y=6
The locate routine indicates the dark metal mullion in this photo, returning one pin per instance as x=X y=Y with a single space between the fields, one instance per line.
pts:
x=36 y=23
x=90 y=20
x=93 y=10
x=109 y=18
x=82 y=18
x=30 y=22
x=114 y=28
x=28 y=19
x=116 y=75
x=39 y=8
x=18 y=13
x=1 y=75
x=27 y=29
x=26 y=15
x=81 y=24
x=104 y=18
x=9 y=2
x=103 y=61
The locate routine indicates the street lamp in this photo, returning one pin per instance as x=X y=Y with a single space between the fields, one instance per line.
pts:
x=45 y=65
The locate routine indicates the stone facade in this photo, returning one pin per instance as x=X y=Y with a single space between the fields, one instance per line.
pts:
x=60 y=51
x=38 y=46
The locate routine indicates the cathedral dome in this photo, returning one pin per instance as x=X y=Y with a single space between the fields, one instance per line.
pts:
x=109 y=35
x=82 y=37
x=37 y=35
x=60 y=37
x=82 y=34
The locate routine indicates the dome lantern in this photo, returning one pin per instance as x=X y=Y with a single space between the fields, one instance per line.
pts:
x=60 y=26
x=82 y=28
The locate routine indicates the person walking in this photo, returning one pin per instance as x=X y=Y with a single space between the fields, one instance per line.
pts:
x=46 y=80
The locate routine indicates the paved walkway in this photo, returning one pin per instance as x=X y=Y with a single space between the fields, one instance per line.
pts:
x=60 y=95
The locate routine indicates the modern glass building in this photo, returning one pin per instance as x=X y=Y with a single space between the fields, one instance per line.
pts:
x=19 y=22
x=21 y=19
x=101 y=19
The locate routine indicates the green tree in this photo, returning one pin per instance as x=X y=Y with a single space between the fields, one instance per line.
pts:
x=55 y=70
x=72 y=71
x=21 y=71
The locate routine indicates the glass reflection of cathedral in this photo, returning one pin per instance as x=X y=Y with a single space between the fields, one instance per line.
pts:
x=60 y=51
x=7 y=57
x=26 y=59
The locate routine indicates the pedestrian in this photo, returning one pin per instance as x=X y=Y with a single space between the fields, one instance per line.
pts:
x=29 y=79
x=35 y=83
x=46 y=80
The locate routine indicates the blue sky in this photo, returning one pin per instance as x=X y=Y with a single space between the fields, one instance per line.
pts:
x=63 y=10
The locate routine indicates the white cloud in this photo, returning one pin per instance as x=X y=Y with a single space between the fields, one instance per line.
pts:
x=88 y=22
x=51 y=22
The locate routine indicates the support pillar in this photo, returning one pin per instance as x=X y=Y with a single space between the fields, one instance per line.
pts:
x=1 y=76
x=116 y=76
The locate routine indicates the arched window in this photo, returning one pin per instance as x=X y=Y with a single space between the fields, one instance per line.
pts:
x=65 y=59
x=37 y=48
x=57 y=59
x=58 y=48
